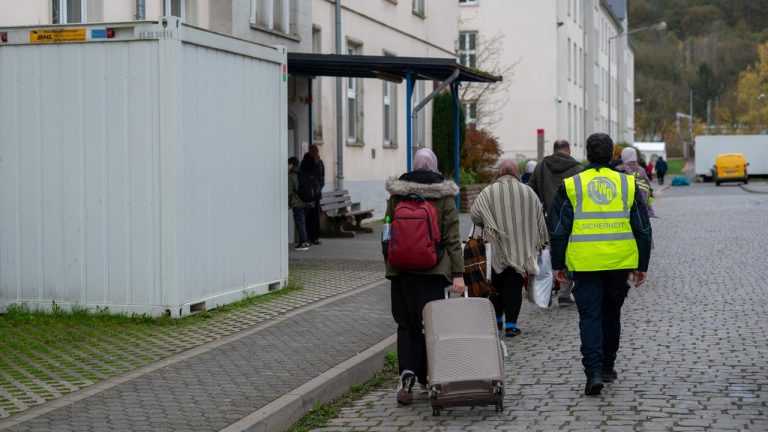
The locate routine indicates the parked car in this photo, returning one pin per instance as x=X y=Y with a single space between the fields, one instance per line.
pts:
x=730 y=167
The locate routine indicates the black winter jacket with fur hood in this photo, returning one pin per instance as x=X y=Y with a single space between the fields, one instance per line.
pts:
x=441 y=192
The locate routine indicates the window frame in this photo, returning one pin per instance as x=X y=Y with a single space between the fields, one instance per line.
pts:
x=389 y=118
x=279 y=17
x=354 y=89
x=469 y=52
x=168 y=8
x=418 y=8
x=63 y=10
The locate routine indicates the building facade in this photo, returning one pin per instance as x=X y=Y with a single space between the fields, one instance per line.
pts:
x=561 y=81
x=373 y=111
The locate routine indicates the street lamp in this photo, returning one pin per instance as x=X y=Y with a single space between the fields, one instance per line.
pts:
x=658 y=27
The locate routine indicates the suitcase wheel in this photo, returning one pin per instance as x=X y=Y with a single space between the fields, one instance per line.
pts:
x=435 y=412
x=500 y=407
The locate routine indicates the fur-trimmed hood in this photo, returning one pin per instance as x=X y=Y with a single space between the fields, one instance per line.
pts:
x=401 y=187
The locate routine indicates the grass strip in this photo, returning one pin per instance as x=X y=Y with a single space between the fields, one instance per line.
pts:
x=320 y=414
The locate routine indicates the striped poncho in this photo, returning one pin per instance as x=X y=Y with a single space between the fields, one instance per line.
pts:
x=512 y=220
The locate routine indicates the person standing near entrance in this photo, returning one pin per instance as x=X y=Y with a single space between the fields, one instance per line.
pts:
x=296 y=204
x=599 y=231
x=313 y=165
x=661 y=170
x=545 y=180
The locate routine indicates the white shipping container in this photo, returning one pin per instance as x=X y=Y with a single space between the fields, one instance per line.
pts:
x=142 y=167
x=754 y=148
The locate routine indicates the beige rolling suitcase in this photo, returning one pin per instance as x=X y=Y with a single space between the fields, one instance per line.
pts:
x=465 y=359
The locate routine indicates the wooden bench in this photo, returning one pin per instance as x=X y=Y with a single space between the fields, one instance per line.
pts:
x=340 y=216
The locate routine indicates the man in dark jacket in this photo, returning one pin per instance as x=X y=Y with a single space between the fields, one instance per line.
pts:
x=314 y=165
x=602 y=240
x=545 y=180
x=552 y=170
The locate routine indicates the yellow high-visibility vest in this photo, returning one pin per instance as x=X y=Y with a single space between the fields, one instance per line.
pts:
x=601 y=238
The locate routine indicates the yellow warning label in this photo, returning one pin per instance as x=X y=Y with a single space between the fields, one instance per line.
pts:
x=60 y=35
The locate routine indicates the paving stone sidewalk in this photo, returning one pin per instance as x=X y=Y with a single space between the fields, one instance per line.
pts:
x=694 y=352
x=213 y=390
x=34 y=371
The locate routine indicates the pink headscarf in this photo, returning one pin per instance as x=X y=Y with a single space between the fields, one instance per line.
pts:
x=425 y=160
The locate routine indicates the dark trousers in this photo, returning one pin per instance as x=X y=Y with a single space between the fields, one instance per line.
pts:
x=313 y=222
x=299 y=219
x=660 y=177
x=410 y=293
x=509 y=286
x=599 y=297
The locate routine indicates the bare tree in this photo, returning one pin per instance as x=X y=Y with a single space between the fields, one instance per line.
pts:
x=488 y=99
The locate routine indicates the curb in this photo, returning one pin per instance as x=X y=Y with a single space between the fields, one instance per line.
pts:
x=751 y=190
x=286 y=410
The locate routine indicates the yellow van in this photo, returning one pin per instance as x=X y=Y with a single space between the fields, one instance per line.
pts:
x=730 y=167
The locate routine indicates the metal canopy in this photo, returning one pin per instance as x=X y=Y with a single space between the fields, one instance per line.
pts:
x=383 y=67
x=396 y=69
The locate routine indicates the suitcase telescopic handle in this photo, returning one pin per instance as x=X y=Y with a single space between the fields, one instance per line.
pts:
x=448 y=292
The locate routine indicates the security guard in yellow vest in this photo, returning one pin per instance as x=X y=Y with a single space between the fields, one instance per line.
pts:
x=600 y=233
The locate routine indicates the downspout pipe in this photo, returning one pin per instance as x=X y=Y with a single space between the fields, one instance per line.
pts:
x=141 y=10
x=339 y=114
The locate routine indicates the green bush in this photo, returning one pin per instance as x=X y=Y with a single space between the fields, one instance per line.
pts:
x=443 y=131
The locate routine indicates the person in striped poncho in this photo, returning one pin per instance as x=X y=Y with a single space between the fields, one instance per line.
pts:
x=512 y=219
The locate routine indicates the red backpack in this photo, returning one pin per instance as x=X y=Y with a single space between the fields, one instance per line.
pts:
x=415 y=241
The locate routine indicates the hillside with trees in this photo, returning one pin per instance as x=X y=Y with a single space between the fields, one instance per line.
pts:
x=714 y=50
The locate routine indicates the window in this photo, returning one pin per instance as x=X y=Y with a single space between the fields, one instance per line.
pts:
x=354 y=101
x=468 y=49
x=68 y=11
x=467 y=2
x=470 y=112
x=278 y=15
x=174 y=8
x=568 y=47
x=575 y=65
x=568 y=113
x=317 y=93
x=389 y=102
x=418 y=7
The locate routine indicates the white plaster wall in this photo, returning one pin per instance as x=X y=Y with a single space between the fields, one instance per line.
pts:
x=27 y=12
x=380 y=26
x=530 y=41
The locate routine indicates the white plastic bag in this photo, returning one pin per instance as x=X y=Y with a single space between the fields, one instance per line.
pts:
x=540 y=285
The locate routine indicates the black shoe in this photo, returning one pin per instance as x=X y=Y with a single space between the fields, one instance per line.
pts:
x=594 y=385
x=512 y=332
x=565 y=301
x=610 y=375
x=316 y=242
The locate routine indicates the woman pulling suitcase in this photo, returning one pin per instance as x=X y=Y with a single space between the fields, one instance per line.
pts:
x=423 y=254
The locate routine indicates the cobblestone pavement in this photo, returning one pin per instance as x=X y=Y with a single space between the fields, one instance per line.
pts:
x=34 y=371
x=694 y=352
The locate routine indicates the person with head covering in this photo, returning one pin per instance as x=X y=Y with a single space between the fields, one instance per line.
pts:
x=630 y=166
x=600 y=233
x=529 y=167
x=512 y=219
x=412 y=290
